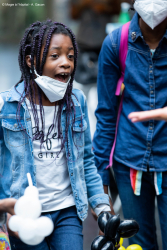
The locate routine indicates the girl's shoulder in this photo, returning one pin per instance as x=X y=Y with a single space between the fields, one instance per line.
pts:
x=7 y=99
x=3 y=96
x=1 y=102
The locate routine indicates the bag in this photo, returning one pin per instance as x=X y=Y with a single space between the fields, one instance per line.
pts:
x=123 y=50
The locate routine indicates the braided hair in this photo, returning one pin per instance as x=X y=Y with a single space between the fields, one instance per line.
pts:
x=37 y=35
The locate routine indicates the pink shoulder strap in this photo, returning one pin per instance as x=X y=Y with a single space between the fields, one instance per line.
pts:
x=123 y=50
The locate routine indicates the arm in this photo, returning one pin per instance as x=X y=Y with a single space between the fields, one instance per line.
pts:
x=106 y=112
x=7 y=205
x=157 y=114
x=93 y=181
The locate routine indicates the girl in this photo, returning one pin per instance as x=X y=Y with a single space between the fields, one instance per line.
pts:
x=140 y=156
x=44 y=130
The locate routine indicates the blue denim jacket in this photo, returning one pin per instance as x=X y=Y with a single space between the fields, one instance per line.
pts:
x=138 y=144
x=16 y=153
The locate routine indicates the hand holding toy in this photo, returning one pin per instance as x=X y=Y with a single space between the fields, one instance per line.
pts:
x=114 y=229
x=32 y=229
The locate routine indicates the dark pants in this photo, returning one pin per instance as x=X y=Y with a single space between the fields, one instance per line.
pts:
x=67 y=233
x=142 y=208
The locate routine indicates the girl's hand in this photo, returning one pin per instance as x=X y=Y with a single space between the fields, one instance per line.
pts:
x=111 y=207
x=7 y=205
x=157 y=114
x=111 y=212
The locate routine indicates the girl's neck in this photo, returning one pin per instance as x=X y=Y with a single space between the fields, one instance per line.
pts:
x=153 y=37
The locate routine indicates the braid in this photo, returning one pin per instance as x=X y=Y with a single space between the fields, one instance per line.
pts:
x=47 y=43
x=42 y=31
x=33 y=52
x=37 y=35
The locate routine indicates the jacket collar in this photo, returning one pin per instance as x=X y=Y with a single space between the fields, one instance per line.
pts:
x=16 y=92
x=135 y=31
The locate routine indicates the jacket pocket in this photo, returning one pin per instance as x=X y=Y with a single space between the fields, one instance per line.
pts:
x=14 y=134
x=79 y=128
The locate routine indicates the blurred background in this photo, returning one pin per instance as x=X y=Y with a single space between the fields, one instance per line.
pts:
x=91 y=21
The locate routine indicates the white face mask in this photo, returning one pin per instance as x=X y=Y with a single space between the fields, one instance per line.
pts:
x=53 y=89
x=153 y=12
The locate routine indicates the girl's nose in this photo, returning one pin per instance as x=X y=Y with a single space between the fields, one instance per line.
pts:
x=65 y=63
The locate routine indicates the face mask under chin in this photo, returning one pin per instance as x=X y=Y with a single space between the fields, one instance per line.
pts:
x=53 y=89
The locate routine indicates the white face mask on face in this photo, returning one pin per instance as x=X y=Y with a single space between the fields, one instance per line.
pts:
x=53 y=89
x=153 y=12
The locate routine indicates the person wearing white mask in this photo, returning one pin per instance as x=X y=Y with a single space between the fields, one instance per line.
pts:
x=44 y=131
x=140 y=155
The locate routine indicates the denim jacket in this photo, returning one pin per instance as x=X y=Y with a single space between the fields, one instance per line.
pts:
x=16 y=152
x=140 y=144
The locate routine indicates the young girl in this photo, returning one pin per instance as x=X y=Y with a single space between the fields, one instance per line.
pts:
x=44 y=130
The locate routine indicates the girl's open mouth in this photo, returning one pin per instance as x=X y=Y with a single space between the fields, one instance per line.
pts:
x=62 y=77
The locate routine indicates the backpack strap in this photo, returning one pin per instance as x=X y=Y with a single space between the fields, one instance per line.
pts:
x=123 y=50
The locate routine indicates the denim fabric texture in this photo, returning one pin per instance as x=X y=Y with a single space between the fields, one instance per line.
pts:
x=67 y=233
x=142 y=208
x=138 y=144
x=16 y=152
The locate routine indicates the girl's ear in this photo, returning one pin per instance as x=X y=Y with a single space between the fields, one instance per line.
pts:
x=28 y=61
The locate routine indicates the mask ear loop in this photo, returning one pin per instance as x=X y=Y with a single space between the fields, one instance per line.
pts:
x=34 y=69
x=30 y=69
x=36 y=72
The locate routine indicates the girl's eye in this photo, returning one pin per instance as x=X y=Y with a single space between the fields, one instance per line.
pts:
x=54 y=56
x=71 y=56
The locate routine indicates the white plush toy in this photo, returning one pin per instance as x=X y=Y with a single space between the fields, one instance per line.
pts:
x=32 y=229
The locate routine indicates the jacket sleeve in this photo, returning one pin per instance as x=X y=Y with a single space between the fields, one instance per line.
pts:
x=93 y=180
x=1 y=146
x=106 y=112
x=1 y=132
